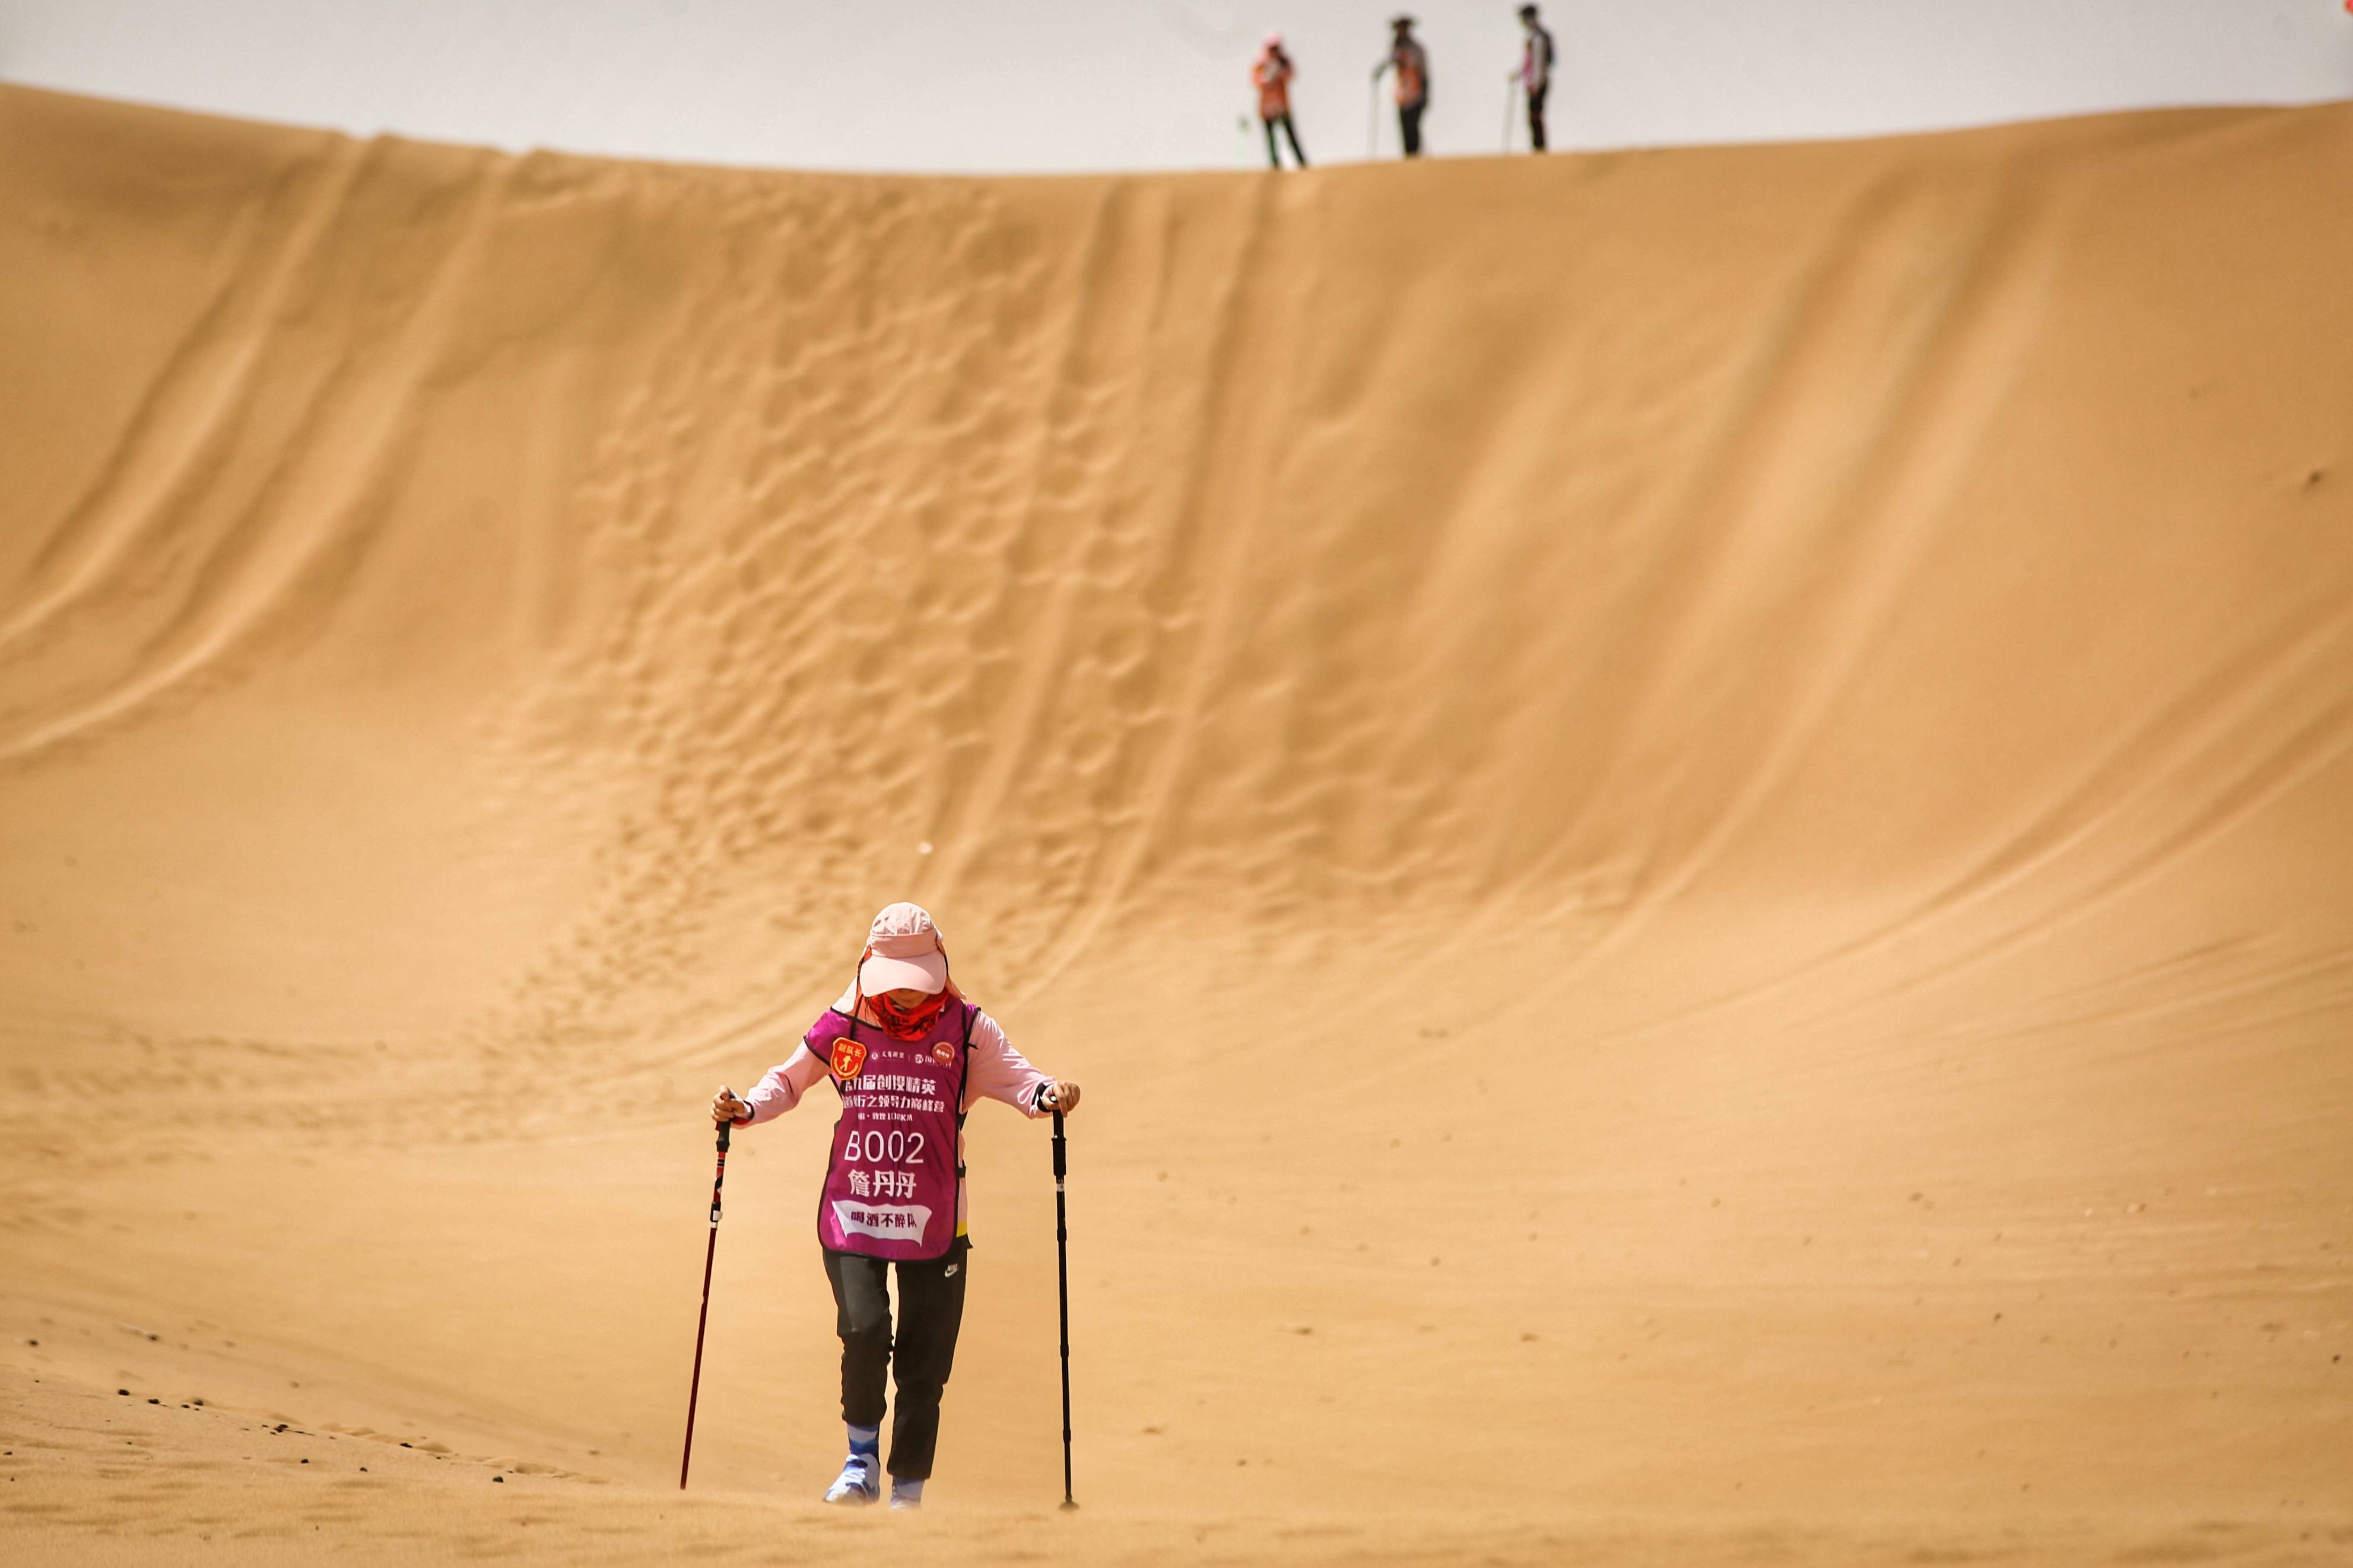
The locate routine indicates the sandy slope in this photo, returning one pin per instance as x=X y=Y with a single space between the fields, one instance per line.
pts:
x=1689 y=814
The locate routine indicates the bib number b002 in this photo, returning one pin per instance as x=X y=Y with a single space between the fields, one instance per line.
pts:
x=879 y=1148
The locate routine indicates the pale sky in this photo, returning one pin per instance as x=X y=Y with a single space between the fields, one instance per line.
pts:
x=1045 y=85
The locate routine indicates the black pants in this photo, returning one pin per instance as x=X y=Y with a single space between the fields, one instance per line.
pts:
x=1410 y=126
x=1289 y=130
x=931 y=1312
x=1535 y=116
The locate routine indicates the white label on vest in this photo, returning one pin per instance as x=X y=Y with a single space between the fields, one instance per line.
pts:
x=885 y=1222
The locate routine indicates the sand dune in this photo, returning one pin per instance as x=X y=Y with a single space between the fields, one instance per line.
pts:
x=1690 y=813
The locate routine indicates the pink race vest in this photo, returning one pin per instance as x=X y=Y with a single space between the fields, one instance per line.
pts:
x=890 y=1186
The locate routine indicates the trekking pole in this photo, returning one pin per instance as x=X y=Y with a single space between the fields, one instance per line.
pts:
x=1063 y=1271
x=710 y=1251
x=1511 y=92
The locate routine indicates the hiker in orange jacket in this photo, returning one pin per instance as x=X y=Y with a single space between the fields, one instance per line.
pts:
x=1271 y=73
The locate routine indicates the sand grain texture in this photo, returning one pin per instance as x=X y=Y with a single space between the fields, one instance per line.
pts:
x=1688 y=813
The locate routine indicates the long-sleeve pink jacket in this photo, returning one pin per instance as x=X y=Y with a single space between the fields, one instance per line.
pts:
x=998 y=1072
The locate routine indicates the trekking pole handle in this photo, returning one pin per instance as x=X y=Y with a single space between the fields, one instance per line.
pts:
x=720 y=1179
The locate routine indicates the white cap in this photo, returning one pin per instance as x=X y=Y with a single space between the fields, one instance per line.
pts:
x=903 y=952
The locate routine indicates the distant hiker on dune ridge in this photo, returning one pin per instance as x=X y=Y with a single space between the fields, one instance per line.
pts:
x=908 y=1055
x=1272 y=72
x=1406 y=58
x=1535 y=73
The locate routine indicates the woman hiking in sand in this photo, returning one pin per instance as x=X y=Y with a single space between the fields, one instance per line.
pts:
x=908 y=1055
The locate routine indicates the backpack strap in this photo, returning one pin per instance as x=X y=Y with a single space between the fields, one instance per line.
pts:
x=964 y=1086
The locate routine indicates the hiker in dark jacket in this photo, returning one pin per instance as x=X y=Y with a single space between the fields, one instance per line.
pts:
x=1411 y=65
x=1534 y=74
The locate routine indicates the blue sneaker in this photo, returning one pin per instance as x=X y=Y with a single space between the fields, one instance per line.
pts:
x=860 y=1481
x=905 y=1493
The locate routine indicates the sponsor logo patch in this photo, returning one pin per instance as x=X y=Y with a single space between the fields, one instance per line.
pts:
x=849 y=1058
x=943 y=1053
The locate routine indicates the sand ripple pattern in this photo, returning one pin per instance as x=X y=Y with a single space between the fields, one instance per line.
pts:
x=1690 y=814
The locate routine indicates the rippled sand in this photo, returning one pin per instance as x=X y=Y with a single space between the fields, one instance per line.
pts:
x=1690 y=815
